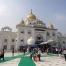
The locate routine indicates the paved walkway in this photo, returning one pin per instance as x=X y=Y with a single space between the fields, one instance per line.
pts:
x=46 y=60
x=13 y=62
x=51 y=61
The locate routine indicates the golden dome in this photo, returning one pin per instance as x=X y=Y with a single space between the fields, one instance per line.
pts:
x=22 y=21
x=31 y=16
x=50 y=26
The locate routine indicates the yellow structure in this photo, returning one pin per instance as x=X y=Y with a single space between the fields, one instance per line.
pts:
x=31 y=16
x=22 y=21
x=50 y=26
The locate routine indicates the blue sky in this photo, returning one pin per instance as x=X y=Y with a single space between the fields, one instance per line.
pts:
x=54 y=11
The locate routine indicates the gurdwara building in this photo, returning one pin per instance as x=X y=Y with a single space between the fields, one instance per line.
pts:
x=33 y=32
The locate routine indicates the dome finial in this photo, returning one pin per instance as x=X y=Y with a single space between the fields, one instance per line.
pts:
x=31 y=11
x=31 y=16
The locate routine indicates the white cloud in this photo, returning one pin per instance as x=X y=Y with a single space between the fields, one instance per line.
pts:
x=3 y=9
x=59 y=17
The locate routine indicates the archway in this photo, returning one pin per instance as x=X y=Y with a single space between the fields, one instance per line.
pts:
x=39 y=37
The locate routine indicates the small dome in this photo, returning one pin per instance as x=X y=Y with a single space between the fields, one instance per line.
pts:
x=31 y=16
x=22 y=21
x=50 y=26
x=41 y=22
x=37 y=21
x=31 y=41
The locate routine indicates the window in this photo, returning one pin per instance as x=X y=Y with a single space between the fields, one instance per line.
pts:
x=53 y=34
x=12 y=40
x=22 y=31
x=29 y=32
x=63 y=42
x=30 y=23
x=48 y=34
x=22 y=40
x=5 y=46
x=5 y=40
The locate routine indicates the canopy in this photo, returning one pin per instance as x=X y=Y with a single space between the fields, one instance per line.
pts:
x=51 y=41
x=54 y=46
x=43 y=43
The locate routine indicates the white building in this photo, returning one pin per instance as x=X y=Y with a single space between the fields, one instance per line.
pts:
x=30 y=32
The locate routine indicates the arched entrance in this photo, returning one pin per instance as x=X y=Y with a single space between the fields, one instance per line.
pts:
x=39 y=39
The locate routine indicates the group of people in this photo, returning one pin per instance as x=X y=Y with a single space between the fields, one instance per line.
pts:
x=58 y=51
x=35 y=54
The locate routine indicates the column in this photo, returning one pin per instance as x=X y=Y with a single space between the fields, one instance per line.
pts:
x=17 y=42
x=9 y=43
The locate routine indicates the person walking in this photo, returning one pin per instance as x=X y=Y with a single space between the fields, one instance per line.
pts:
x=65 y=54
x=39 y=54
x=47 y=50
x=12 y=52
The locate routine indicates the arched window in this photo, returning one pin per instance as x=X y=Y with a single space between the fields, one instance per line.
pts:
x=22 y=40
x=30 y=23
x=22 y=31
x=63 y=42
x=13 y=40
x=53 y=34
x=29 y=32
x=48 y=34
x=5 y=40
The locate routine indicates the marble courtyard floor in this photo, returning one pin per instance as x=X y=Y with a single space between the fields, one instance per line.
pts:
x=20 y=59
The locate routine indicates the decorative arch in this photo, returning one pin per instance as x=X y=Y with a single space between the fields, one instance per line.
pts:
x=39 y=37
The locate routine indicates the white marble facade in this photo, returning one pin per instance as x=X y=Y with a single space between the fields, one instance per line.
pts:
x=29 y=32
